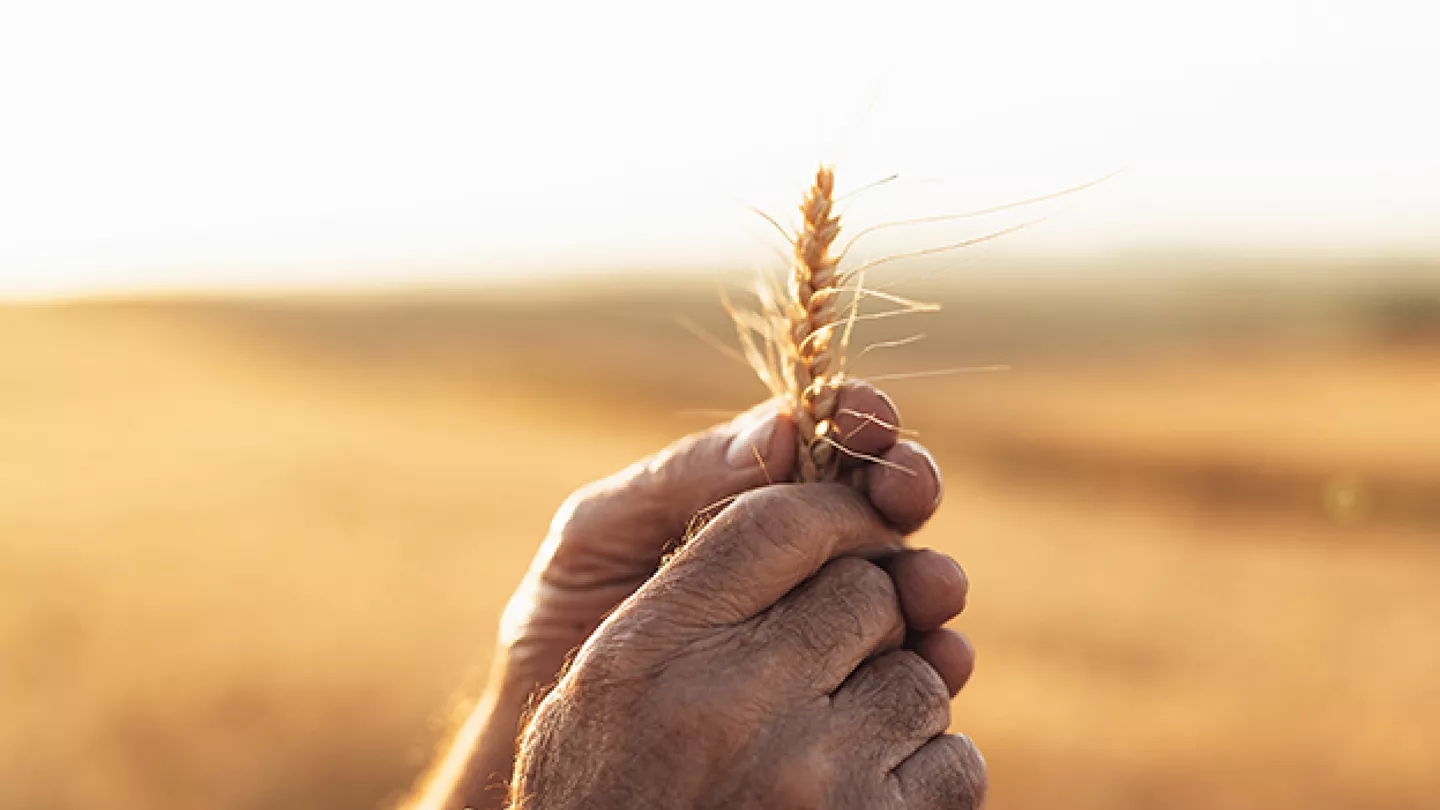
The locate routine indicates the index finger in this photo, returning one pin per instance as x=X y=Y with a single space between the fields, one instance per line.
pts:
x=763 y=545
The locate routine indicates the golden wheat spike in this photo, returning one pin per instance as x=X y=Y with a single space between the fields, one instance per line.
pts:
x=812 y=369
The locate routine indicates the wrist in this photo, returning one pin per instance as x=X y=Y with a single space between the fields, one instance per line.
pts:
x=477 y=768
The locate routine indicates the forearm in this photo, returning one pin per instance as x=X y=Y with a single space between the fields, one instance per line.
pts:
x=474 y=770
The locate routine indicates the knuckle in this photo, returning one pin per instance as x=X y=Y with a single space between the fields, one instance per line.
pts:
x=636 y=493
x=772 y=518
x=864 y=593
x=861 y=579
x=582 y=508
x=956 y=772
x=599 y=670
x=843 y=503
x=809 y=637
x=794 y=519
x=916 y=691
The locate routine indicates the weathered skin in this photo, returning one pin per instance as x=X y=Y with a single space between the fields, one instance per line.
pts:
x=761 y=668
x=744 y=694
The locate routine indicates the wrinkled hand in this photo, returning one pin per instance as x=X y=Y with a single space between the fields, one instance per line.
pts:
x=761 y=668
x=609 y=538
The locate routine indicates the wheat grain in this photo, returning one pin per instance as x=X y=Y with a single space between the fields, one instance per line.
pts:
x=792 y=341
x=812 y=367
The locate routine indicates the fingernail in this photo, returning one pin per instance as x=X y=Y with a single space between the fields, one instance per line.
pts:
x=894 y=409
x=957 y=577
x=752 y=443
x=934 y=467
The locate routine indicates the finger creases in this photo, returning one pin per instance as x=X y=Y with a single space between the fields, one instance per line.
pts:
x=764 y=544
x=899 y=700
x=821 y=631
x=946 y=773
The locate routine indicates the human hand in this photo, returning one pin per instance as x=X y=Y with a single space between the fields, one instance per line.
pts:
x=609 y=538
x=762 y=667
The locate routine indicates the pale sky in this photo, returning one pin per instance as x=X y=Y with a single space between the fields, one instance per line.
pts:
x=156 y=144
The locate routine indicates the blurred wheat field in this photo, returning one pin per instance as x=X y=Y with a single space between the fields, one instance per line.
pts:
x=251 y=551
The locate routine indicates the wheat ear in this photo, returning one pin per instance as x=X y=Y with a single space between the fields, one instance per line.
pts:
x=812 y=362
x=796 y=340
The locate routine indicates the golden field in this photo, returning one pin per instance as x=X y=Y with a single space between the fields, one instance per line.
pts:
x=252 y=551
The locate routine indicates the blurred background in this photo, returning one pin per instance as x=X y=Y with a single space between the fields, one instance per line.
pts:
x=315 y=311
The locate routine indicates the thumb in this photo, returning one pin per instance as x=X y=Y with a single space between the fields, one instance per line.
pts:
x=620 y=526
x=614 y=531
